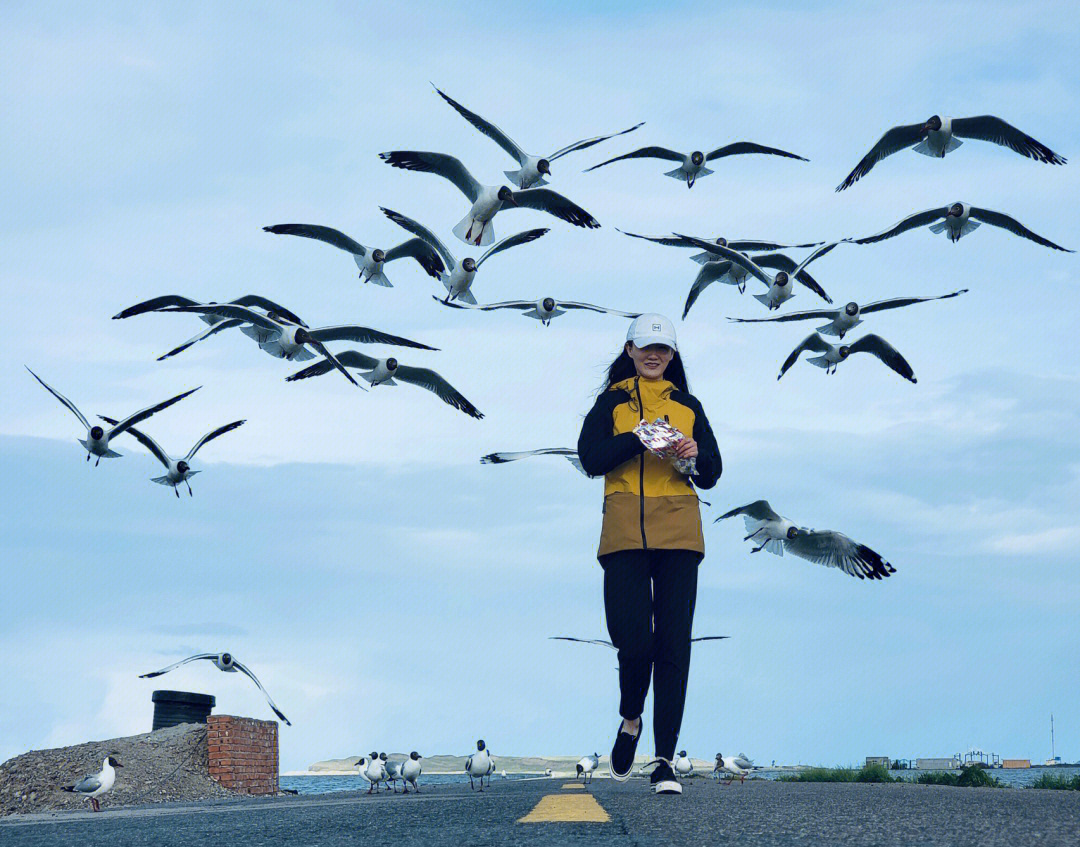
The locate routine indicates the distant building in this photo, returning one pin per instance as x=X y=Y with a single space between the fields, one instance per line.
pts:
x=1016 y=763
x=884 y=761
x=948 y=764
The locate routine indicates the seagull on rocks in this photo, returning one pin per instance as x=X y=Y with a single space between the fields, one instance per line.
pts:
x=387 y=372
x=532 y=169
x=478 y=764
x=587 y=766
x=369 y=261
x=177 y=470
x=938 y=136
x=776 y=534
x=682 y=764
x=543 y=310
x=692 y=165
x=411 y=770
x=487 y=200
x=832 y=355
x=732 y=766
x=371 y=769
x=840 y=321
x=97 y=437
x=224 y=662
x=94 y=785
x=458 y=277
x=500 y=458
x=956 y=221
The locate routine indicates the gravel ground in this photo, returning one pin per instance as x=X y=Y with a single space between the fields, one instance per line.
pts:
x=163 y=766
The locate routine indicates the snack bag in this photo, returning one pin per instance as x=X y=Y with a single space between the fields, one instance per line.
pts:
x=660 y=438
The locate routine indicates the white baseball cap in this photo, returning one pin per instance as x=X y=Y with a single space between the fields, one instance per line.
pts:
x=652 y=329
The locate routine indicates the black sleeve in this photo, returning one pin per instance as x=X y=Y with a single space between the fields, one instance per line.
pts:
x=709 y=464
x=599 y=451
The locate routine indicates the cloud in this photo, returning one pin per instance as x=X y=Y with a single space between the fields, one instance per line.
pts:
x=1056 y=540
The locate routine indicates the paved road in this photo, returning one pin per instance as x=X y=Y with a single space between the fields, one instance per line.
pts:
x=760 y=812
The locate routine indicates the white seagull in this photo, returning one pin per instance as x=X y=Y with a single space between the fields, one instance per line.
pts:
x=776 y=534
x=500 y=458
x=832 y=355
x=176 y=470
x=586 y=766
x=956 y=221
x=692 y=165
x=94 y=785
x=733 y=766
x=458 y=277
x=682 y=764
x=532 y=169
x=543 y=310
x=369 y=261
x=225 y=662
x=487 y=200
x=411 y=770
x=478 y=765
x=743 y=245
x=731 y=273
x=938 y=136
x=97 y=438
x=840 y=321
x=387 y=372
x=371 y=769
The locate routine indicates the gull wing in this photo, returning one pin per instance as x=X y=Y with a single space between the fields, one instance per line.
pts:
x=710 y=638
x=888 y=354
x=910 y=222
x=349 y=358
x=566 y=452
x=589 y=142
x=897 y=302
x=243 y=669
x=1014 y=226
x=143 y=439
x=206 y=333
x=178 y=664
x=740 y=147
x=546 y=200
x=505 y=304
x=423 y=232
x=836 y=550
x=893 y=141
x=318 y=345
x=424 y=253
x=269 y=305
x=320 y=233
x=433 y=382
x=513 y=240
x=487 y=128
x=997 y=131
x=88 y=784
x=755 y=246
x=643 y=153
x=812 y=342
x=210 y=436
x=602 y=642
x=153 y=304
x=759 y=510
x=363 y=335
x=228 y=310
x=441 y=164
x=71 y=406
x=791 y=316
x=733 y=256
x=142 y=415
x=786 y=263
x=666 y=240
x=572 y=304
x=709 y=273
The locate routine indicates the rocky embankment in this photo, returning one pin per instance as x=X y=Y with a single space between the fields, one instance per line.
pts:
x=158 y=767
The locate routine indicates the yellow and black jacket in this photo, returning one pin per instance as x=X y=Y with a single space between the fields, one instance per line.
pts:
x=648 y=505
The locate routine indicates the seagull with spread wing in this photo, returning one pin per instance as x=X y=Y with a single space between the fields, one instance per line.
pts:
x=832 y=354
x=544 y=310
x=225 y=662
x=743 y=245
x=776 y=534
x=532 y=169
x=692 y=165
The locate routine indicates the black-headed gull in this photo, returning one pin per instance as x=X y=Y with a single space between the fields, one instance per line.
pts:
x=371 y=769
x=587 y=766
x=458 y=276
x=692 y=165
x=957 y=220
x=733 y=766
x=387 y=372
x=832 y=354
x=730 y=273
x=94 y=785
x=370 y=261
x=177 y=470
x=393 y=771
x=743 y=245
x=532 y=169
x=543 y=310
x=937 y=136
x=682 y=765
x=411 y=770
x=840 y=321
x=478 y=765
x=97 y=437
x=487 y=200
x=225 y=662
x=776 y=534
x=565 y=452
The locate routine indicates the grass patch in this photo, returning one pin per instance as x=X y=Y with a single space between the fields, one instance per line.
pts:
x=870 y=773
x=1061 y=783
x=969 y=777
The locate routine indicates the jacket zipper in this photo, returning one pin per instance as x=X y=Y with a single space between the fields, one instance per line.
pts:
x=641 y=468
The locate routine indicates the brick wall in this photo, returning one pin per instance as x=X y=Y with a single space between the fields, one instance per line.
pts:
x=243 y=753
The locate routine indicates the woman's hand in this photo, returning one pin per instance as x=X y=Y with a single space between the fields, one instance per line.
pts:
x=686 y=449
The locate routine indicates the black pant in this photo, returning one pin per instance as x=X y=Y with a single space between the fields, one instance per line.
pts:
x=649 y=600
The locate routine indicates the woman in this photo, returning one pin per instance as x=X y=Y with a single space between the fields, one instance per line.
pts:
x=651 y=542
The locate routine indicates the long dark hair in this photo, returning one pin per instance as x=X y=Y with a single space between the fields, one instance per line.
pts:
x=623 y=368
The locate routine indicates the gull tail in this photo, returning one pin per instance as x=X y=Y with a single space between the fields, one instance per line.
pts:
x=472 y=231
x=518 y=178
x=108 y=454
x=775 y=546
x=380 y=279
x=818 y=361
x=161 y=480
x=830 y=328
x=702 y=258
x=532 y=313
x=466 y=297
x=925 y=148
x=763 y=299
x=939 y=227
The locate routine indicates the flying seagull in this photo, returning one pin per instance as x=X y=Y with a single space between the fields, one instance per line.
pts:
x=938 y=136
x=97 y=438
x=692 y=165
x=177 y=470
x=840 y=321
x=743 y=245
x=603 y=642
x=487 y=200
x=225 y=662
x=500 y=458
x=458 y=276
x=731 y=273
x=543 y=310
x=832 y=355
x=532 y=169
x=369 y=261
x=956 y=221
x=387 y=372
x=94 y=785
x=776 y=534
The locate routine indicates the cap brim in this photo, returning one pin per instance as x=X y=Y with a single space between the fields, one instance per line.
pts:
x=646 y=340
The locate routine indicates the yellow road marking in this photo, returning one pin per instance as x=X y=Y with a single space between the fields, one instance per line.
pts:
x=572 y=785
x=567 y=808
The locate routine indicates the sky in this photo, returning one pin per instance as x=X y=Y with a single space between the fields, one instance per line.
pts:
x=389 y=590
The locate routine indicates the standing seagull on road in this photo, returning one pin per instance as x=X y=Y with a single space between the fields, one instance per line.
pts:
x=732 y=766
x=532 y=168
x=224 y=662
x=831 y=355
x=586 y=766
x=458 y=277
x=938 y=136
x=478 y=765
x=97 y=439
x=487 y=200
x=371 y=769
x=682 y=764
x=177 y=471
x=692 y=165
x=411 y=770
x=543 y=310
x=94 y=785
x=370 y=262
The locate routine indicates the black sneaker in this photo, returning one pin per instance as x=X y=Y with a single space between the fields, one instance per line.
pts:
x=663 y=778
x=622 y=754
